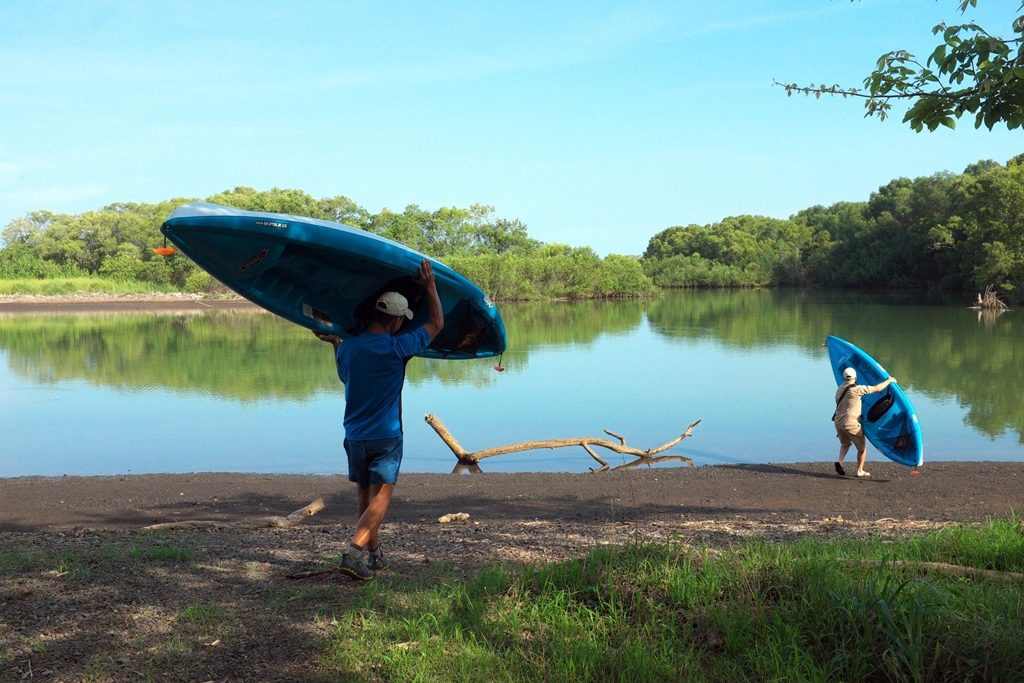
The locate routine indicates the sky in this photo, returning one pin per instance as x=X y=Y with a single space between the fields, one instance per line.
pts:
x=594 y=123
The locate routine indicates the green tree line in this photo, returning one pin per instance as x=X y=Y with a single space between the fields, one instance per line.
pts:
x=945 y=232
x=116 y=243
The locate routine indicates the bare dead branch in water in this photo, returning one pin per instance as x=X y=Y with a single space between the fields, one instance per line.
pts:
x=471 y=460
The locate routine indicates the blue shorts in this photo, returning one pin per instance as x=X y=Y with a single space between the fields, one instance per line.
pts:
x=375 y=461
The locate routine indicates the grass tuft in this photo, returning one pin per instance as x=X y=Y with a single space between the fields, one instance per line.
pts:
x=203 y=614
x=159 y=552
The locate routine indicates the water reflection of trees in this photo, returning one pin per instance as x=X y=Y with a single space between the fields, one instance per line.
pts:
x=245 y=355
x=937 y=350
x=249 y=355
x=532 y=325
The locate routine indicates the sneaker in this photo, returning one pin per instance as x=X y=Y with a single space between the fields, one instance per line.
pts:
x=355 y=563
x=376 y=560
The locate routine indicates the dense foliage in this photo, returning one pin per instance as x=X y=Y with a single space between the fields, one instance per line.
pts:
x=115 y=243
x=945 y=232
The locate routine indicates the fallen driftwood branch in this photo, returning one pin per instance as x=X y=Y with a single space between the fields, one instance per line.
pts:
x=471 y=460
x=273 y=521
x=955 y=569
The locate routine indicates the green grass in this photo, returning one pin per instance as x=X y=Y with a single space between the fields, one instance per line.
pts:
x=804 y=611
x=76 y=285
x=203 y=614
x=18 y=561
x=757 y=612
x=159 y=552
x=92 y=561
x=15 y=561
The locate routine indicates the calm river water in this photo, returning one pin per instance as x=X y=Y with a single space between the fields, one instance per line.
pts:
x=243 y=391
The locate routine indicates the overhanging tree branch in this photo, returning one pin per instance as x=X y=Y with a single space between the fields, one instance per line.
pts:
x=971 y=71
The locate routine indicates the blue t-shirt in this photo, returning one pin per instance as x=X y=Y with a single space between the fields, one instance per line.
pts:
x=372 y=367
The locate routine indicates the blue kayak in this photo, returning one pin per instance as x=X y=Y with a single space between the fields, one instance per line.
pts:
x=326 y=276
x=889 y=420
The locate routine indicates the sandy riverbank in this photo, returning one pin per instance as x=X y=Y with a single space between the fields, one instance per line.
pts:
x=944 y=491
x=103 y=303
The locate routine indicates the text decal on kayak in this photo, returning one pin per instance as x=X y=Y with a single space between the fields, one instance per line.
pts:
x=253 y=260
x=273 y=224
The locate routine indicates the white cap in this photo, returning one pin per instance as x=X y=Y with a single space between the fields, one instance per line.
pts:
x=394 y=304
x=850 y=374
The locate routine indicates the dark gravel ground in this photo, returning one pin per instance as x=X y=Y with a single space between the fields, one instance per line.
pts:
x=946 y=491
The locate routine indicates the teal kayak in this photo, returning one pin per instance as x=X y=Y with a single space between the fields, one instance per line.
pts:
x=326 y=276
x=888 y=418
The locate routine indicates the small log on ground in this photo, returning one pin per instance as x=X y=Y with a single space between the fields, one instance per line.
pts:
x=471 y=460
x=312 y=573
x=955 y=569
x=273 y=521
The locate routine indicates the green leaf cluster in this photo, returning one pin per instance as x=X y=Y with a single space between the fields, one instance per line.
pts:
x=970 y=72
x=945 y=232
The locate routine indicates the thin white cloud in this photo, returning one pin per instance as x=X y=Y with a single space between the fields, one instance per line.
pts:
x=9 y=171
x=70 y=72
x=584 y=42
x=49 y=197
x=764 y=20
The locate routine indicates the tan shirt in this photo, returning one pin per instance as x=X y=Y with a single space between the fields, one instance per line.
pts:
x=849 y=409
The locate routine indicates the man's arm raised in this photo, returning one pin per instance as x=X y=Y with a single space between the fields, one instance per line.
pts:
x=425 y=278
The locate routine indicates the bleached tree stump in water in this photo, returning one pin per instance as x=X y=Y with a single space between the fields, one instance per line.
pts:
x=989 y=301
